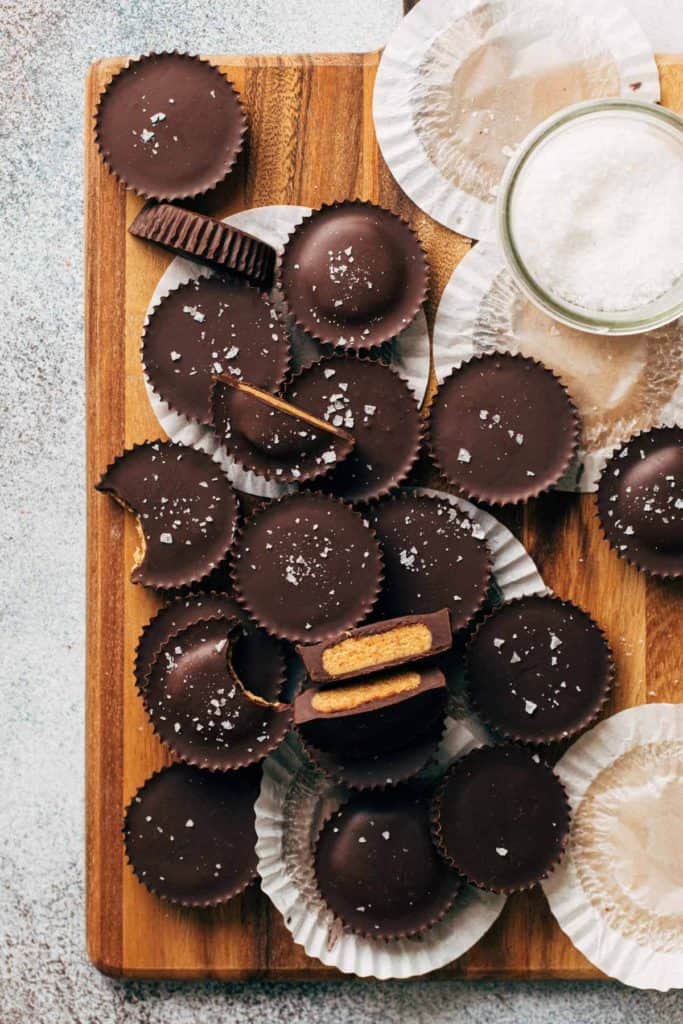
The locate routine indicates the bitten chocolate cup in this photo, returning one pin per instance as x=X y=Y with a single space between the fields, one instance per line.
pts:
x=196 y=236
x=212 y=326
x=257 y=658
x=501 y=818
x=377 y=868
x=539 y=670
x=201 y=710
x=503 y=429
x=170 y=126
x=307 y=567
x=186 y=511
x=190 y=835
x=435 y=557
x=640 y=502
x=374 y=404
x=353 y=275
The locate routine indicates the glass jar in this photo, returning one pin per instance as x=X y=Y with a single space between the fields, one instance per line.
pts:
x=662 y=310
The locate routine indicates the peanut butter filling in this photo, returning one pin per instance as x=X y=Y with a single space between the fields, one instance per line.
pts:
x=356 y=653
x=347 y=698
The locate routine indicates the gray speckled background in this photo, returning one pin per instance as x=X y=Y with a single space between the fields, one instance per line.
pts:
x=44 y=975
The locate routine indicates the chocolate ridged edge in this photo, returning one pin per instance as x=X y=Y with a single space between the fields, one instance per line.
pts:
x=551 y=738
x=469 y=493
x=229 y=164
x=364 y=349
x=239 y=888
x=437 y=834
x=239 y=533
x=674 y=574
x=209 y=764
x=199 y=237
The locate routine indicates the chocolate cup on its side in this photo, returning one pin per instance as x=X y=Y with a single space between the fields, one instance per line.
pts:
x=190 y=834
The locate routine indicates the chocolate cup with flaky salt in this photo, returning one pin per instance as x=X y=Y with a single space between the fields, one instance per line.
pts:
x=186 y=511
x=307 y=567
x=201 y=710
x=259 y=660
x=272 y=437
x=640 y=501
x=353 y=274
x=211 y=326
x=539 y=670
x=190 y=834
x=377 y=869
x=501 y=818
x=170 y=126
x=502 y=429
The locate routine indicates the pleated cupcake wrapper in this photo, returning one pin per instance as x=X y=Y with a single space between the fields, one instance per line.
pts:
x=634 y=936
x=231 y=157
x=333 y=339
x=267 y=622
x=482 y=312
x=294 y=800
x=543 y=483
x=601 y=508
x=550 y=737
x=239 y=887
x=222 y=763
x=416 y=104
x=478 y=883
x=272 y=225
x=164 y=588
x=196 y=236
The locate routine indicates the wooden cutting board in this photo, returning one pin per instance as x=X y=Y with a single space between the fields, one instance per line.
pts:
x=311 y=141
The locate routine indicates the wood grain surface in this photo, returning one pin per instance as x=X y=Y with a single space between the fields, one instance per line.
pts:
x=311 y=141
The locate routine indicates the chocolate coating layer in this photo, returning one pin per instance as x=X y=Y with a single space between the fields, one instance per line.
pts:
x=198 y=707
x=502 y=428
x=186 y=509
x=500 y=818
x=378 y=771
x=377 y=868
x=353 y=274
x=372 y=402
x=190 y=834
x=539 y=669
x=208 y=326
x=170 y=125
x=257 y=658
x=435 y=557
x=640 y=501
x=307 y=567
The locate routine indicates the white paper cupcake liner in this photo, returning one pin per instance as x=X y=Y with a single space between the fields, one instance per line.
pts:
x=618 y=893
x=620 y=386
x=462 y=82
x=272 y=224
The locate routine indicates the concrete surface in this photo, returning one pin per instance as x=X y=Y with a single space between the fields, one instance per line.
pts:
x=44 y=976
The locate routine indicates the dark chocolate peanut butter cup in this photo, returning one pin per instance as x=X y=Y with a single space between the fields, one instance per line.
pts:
x=212 y=326
x=170 y=126
x=186 y=511
x=353 y=274
x=501 y=818
x=640 y=501
x=377 y=868
x=207 y=240
x=306 y=567
x=502 y=429
x=378 y=771
x=539 y=670
x=190 y=834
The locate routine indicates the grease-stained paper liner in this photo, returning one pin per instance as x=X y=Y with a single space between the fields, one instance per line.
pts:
x=462 y=82
x=619 y=893
x=619 y=385
x=273 y=225
x=295 y=799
